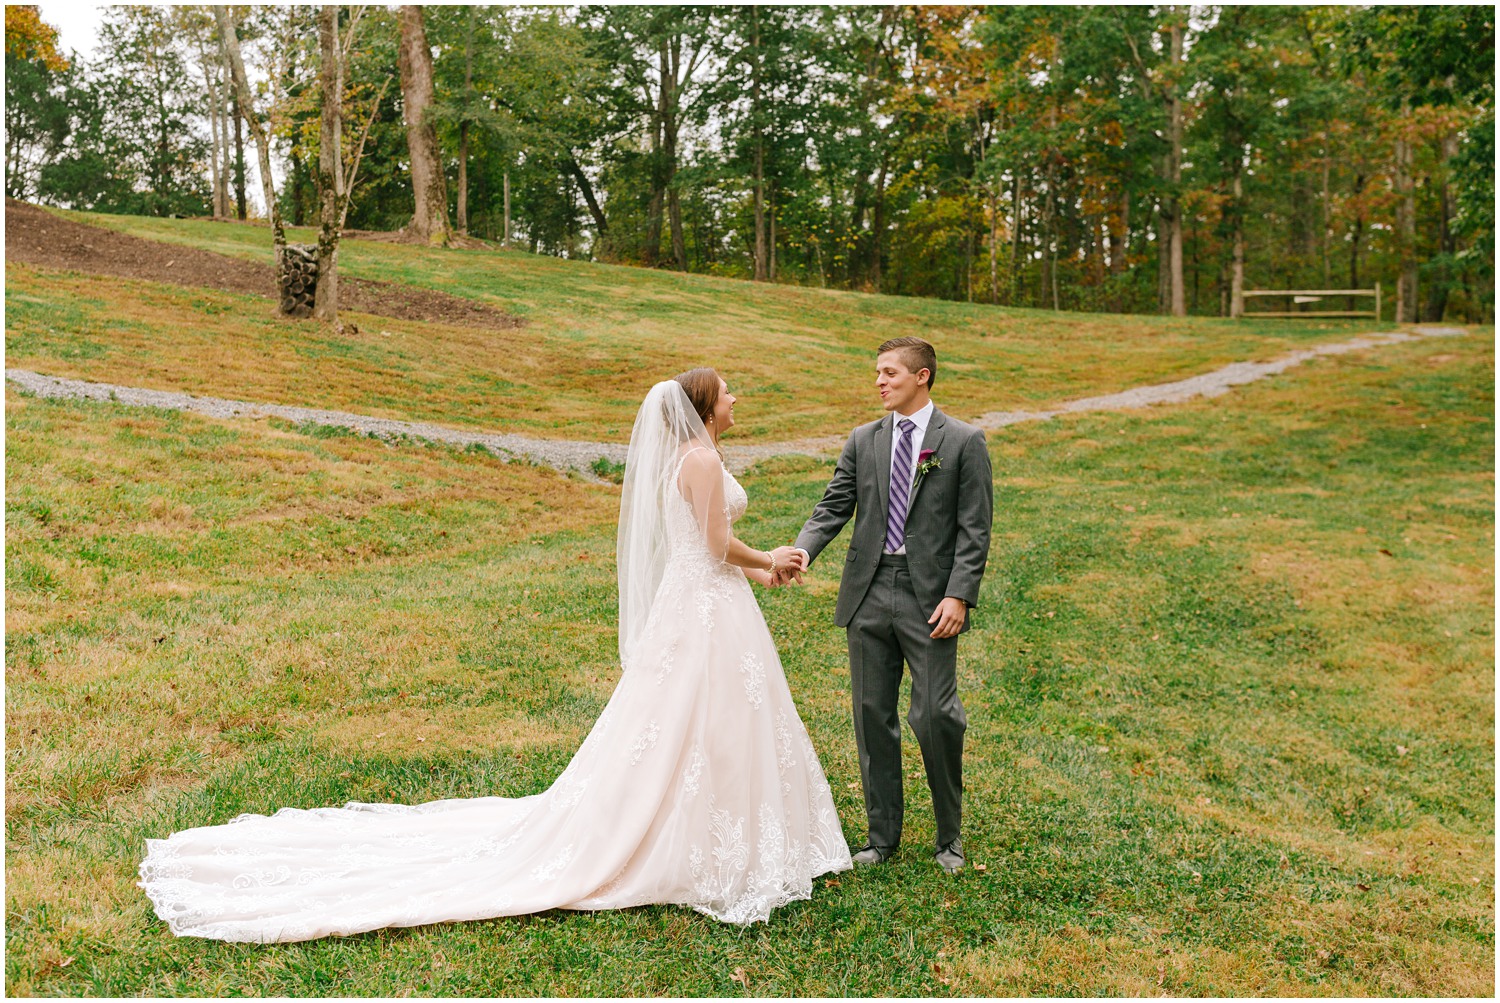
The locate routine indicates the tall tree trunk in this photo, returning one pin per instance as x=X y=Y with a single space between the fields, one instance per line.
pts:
x=1406 y=233
x=237 y=114
x=1015 y=242
x=1436 y=303
x=463 y=128
x=993 y=193
x=1174 y=173
x=771 y=234
x=1324 y=215
x=330 y=164
x=262 y=141
x=762 y=268
x=877 y=230
x=461 y=218
x=1049 y=209
x=655 y=208
x=1237 y=263
x=671 y=125
x=505 y=182
x=211 y=84
x=1163 y=257
x=429 y=221
x=1356 y=233
x=226 y=164
x=220 y=156
x=1049 y=258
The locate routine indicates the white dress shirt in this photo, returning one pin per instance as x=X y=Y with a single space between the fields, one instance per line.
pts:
x=920 y=419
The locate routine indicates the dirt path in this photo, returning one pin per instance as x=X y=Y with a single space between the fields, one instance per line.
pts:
x=35 y=236
x=565 y=453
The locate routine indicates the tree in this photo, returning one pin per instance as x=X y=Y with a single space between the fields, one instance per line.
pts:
x=1241 y=63
x=262 y=142
x=149 y=105
x=657 y=53
x=27 y=36
x=1426 y=57
x=335 y=178
x=195 y=23
x=1125 y=158
x=38 y=119
x=429 y=221
x=332 y=193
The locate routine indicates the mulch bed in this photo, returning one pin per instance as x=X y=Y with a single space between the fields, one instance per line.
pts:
x=37 y=237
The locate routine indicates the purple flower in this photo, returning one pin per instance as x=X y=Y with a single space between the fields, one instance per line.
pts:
x=925 y=455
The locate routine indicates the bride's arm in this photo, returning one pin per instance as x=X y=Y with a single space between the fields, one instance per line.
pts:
x=702 y=481
x=760 y=576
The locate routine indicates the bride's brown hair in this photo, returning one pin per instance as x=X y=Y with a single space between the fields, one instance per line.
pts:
x=702 y=387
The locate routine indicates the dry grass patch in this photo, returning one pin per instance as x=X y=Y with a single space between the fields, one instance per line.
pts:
x=445 y=731
x=1178 y=782
x=596 y=337
x=190 y=589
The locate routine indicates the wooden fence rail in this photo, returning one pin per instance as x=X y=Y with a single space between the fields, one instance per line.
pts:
x=1237 y=307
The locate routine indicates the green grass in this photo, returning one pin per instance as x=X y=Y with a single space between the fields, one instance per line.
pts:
x=596 y=337
x=1230 y=698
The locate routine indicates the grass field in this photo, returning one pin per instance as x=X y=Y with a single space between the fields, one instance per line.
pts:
x=595 y=338
x=1230 y=691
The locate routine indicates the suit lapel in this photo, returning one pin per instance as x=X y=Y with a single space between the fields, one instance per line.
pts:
x=883 y=469
x=931 y=439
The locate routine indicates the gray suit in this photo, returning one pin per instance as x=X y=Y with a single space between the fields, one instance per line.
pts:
x=885 y=600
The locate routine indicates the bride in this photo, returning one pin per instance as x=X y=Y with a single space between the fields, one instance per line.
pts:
x=697 y=786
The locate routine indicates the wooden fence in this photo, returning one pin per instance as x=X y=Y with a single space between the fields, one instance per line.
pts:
x=1300 y=296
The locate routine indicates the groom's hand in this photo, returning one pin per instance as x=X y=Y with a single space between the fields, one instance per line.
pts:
x=949 y=617
x=791 y=572
x=798 y=565
x=790 y=563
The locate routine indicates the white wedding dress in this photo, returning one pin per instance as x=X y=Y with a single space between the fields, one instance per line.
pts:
x=697 y=786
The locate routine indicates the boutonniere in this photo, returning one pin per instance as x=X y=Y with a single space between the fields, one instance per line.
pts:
x=926 y=462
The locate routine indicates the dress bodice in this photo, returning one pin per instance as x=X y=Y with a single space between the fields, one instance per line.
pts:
x=684 y=533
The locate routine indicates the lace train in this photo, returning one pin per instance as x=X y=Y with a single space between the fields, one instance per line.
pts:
x=697 y=786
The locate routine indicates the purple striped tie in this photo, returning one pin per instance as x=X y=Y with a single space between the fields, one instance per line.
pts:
x=895 y=520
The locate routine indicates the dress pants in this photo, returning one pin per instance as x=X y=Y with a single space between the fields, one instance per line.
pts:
x=889 y=628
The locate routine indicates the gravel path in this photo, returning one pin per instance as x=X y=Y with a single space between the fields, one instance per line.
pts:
x=1211 y=384
x=564 y=453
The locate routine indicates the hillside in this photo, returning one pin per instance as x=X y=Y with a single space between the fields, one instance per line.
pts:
x=1230 y=687
x=591 y=338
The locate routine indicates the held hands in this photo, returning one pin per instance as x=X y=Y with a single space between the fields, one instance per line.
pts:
x=949 y=617
x=789 y=566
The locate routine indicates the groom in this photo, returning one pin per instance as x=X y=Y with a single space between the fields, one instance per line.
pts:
x=918 y=485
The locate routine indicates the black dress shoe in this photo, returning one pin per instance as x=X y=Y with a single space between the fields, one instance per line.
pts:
x=951 y=857
x=874 y=854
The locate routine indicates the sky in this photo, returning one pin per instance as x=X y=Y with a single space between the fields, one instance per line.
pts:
x=76 y=24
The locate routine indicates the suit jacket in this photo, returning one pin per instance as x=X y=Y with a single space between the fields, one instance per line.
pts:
x=947 y=518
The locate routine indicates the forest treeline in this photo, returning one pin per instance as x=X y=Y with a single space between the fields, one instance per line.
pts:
x=1135 y=159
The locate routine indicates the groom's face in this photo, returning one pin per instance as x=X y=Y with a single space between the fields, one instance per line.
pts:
x=900 y=388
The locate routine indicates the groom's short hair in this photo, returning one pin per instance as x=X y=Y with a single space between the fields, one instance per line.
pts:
x=916 y=353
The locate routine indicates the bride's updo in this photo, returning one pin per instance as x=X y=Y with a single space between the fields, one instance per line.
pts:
x=702 y=387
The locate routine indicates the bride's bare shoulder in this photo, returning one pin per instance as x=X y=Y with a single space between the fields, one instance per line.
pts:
x=700 y=459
